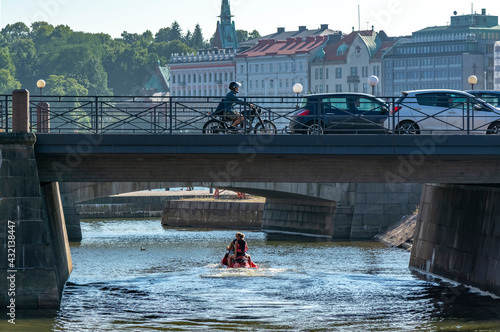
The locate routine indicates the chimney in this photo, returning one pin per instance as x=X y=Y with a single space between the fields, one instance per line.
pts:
x=302 y=28
x=281 y=30
x=324 y=26
x=483 y=11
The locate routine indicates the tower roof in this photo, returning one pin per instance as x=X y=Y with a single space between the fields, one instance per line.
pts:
x=225 y=35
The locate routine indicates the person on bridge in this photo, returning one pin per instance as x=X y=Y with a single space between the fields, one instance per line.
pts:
x=240 y=248
x=226 y=105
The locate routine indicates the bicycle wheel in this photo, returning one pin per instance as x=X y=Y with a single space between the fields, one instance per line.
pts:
x=214 y=127
x=266 y=127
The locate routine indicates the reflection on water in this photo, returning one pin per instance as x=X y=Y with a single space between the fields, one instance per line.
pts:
x=176 y=284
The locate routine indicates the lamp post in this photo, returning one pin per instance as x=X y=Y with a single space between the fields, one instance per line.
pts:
x=373 y=82
x=472 y=81
x=297 y=88
x=40 y=84
x=42 y=111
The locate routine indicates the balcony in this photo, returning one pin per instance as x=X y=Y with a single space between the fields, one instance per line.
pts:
x=353 y=79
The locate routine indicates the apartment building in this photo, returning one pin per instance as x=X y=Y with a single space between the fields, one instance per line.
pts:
x=443 y=57
x=345 y=66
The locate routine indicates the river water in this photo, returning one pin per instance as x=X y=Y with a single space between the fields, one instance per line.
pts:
x=176 y=284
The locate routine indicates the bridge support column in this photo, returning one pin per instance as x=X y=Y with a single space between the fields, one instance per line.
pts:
x=458 y=235
x=312 y=217
x=70 y=214
x=35 y=260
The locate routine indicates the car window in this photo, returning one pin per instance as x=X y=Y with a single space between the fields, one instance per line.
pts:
x=490 y=99
x=332 y=105
x=428 y=99
x=457 y=100
x=365 y=104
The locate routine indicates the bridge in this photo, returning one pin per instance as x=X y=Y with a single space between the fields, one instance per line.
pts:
x=458 y=230
x=268 y=158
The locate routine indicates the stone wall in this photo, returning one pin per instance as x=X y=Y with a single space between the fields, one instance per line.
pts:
x=210 y=214
x=123 y=207
x=458 y=235
x=314 y=217
x=379 y=205
x=31 y=229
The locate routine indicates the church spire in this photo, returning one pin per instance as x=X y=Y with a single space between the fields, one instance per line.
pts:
x=225 y=36
x=225 y=12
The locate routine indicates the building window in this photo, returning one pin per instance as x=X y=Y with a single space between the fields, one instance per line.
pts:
x=338 y=87
x=321 y=73
x=338 y=72
x=354 y=71
x=173 y=79
x=316 y=73
x=326 y=77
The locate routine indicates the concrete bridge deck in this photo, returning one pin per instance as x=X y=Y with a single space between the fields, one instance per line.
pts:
x=274 y=158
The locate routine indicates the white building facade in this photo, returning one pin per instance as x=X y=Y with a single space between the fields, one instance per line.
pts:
x=207 y=73
x=346 y=65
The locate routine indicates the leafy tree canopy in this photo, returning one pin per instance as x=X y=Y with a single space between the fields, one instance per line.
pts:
x=95 y=63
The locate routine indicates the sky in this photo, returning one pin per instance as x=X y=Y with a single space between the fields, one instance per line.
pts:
x=395 y=17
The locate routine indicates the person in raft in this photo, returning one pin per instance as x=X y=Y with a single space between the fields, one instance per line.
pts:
x=239 y=247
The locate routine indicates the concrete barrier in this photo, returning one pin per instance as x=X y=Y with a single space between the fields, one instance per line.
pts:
x=213 y=214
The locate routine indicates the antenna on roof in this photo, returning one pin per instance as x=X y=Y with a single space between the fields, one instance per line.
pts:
x=359 y=19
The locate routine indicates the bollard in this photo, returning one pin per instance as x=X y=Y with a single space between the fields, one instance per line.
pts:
x=42 y=117
x=20 y=111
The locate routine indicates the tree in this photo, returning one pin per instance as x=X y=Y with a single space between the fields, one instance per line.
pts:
x=61 y=86
x=7 y=82
x=242 y=36
x=197 y=41
x=254 y=35
x=40 y=32
x=6 y=61
x=15 y=31
x=24 y=56
x=169 y=34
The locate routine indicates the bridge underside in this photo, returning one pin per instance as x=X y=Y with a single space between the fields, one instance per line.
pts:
x=237 y=158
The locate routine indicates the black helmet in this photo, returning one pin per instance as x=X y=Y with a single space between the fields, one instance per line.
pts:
x=233 y=86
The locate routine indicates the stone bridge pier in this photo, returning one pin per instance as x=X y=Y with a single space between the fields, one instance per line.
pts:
x=458 y=235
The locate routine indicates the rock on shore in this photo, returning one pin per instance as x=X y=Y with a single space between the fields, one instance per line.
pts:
x=401 y=234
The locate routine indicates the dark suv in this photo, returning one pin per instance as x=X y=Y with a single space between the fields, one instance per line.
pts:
x=340 y=113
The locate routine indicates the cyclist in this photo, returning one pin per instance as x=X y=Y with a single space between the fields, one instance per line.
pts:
x=226 y=105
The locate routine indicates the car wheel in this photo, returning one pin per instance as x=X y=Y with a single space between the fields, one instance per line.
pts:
x=315 y=129
x=214 y=127
x=407 y=128
x=494 y=129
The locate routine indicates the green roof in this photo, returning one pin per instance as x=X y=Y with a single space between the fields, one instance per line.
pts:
x=372 y=43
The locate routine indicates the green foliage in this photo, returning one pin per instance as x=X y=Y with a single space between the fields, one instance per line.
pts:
x=79 y=63
x=7 y=82
x=60 y=85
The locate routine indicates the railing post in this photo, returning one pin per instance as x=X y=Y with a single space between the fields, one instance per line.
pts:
x=96 y=115
x=468 y=116
x=43 y=117
x=170 y=116
x=20 y=110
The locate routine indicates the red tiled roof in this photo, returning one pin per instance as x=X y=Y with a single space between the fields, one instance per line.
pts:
x=290 y=46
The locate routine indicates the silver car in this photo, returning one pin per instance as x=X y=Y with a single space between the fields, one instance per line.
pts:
x=442 y=112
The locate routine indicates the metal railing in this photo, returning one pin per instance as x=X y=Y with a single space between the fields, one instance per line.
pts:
x=189 y=115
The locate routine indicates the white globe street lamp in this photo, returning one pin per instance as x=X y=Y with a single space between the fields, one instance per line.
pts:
x=373 y=82
x=297 y=88
x=472 y=81
x=40 y=84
